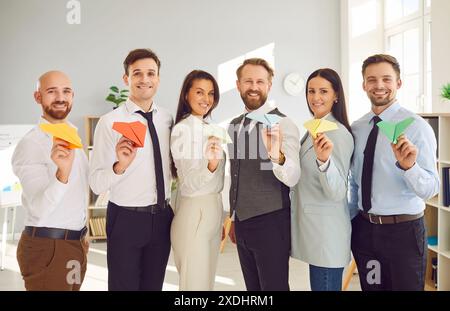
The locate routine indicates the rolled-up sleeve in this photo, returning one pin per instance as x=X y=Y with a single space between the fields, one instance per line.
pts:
x=289 y=172
x=42 y=190
x=102 y=159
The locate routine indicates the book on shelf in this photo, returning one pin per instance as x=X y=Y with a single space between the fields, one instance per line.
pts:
x=445 y=186
x=434 y=267
x=97 y=226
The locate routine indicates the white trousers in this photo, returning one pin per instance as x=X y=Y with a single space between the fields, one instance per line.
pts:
x=195 y=236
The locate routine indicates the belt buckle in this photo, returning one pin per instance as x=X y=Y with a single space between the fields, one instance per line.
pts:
x=373 y=222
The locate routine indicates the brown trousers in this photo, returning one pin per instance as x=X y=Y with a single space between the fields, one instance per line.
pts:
x=51 y=264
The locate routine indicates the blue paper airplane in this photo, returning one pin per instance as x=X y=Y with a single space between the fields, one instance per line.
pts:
x=267 y=118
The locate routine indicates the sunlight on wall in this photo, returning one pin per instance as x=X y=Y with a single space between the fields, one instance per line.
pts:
x=362 y=18
x=227 y=70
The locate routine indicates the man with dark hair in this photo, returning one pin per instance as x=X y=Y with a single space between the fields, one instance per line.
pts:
x=138 y=215
x=388 y=185
x=264 y=163
x=52 y=249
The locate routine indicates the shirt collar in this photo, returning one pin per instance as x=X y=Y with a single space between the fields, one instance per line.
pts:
x=326 y=117
x=195 y=119
x=131 y=107
x=387 y=114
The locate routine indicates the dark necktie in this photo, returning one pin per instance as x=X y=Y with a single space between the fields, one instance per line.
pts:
x=159 y=173
x=366 y=178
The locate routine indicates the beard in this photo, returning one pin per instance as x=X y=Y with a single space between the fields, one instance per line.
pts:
x=253 y=103
x=380 y=102
x=58 y=114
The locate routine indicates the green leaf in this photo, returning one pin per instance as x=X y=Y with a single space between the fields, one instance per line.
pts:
x=115 y=89
x=445 y=91
x=111 y=98
x=124 y=91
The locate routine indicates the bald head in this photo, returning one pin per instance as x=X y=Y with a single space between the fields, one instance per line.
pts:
x=53 y=77
x=54 y=93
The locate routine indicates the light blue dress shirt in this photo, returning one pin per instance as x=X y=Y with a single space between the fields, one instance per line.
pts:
x=395 y=191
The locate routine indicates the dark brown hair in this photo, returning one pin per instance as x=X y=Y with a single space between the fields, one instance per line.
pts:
x=138 y=54
x=184 y=109
x=256 y=62
x=382 y=58
x=339 y=109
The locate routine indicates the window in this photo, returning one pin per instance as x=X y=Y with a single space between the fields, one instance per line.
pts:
x=407 y=37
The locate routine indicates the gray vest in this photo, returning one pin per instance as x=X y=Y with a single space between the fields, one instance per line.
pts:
x=254 y=188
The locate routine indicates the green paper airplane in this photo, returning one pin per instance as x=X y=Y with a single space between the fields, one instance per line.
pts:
x=394 y=130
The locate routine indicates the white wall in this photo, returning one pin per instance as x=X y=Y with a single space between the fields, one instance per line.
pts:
x=35 y=37
x=186 y=35
x=440 y=52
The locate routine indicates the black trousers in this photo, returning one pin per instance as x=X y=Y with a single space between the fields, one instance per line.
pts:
x=390 y=257
x=263 y=245
x=138 y=248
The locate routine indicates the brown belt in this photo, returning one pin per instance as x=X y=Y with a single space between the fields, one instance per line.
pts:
x=389 y=220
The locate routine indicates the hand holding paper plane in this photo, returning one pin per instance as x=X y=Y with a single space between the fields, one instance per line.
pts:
x=393 y=130
x=316 y=126
x=267 y=118
x=134 y=131
x=64 y=132
x=218 y=132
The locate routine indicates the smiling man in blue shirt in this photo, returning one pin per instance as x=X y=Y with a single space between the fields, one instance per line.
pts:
x=389 y=184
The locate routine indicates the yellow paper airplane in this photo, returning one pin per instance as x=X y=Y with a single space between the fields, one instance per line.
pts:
x=64 y=132
x=316 y=126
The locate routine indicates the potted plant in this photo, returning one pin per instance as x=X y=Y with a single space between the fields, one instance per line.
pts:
x=116 y=96
x=445 y=91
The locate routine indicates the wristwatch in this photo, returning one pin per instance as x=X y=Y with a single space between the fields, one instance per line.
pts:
x=281 y=159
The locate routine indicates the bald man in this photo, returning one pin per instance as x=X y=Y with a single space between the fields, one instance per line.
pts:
x=52 y=249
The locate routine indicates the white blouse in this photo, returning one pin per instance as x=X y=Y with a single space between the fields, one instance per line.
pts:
x=188 y=145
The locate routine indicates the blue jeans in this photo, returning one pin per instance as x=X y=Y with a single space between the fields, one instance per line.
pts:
x=325 y=279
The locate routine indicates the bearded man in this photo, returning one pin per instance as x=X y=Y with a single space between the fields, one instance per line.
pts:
x=264 y=163
x=52 y=249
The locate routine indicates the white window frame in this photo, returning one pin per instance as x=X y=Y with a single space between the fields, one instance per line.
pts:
x=419 y=20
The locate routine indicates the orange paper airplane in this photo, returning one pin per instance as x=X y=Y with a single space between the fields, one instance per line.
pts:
x=134 y=131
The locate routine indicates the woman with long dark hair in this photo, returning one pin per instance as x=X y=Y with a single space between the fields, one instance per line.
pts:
x=199 y=165
x=321 y=227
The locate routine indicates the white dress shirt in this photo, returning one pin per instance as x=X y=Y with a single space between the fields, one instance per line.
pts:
x=289 y=172
x=47 y=201
x=137 y=185
x=188 y=145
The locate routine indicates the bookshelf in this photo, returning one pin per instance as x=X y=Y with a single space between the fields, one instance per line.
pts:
x=437 y=216
x=96 y=214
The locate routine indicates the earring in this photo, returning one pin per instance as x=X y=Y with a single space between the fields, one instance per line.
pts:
x=335 y=101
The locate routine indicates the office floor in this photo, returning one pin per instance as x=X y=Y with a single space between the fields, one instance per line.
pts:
x=229 y=276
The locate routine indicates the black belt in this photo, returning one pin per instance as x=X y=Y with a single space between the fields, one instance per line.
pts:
x=389 y=220
x=152 y=209
x=55 y=233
